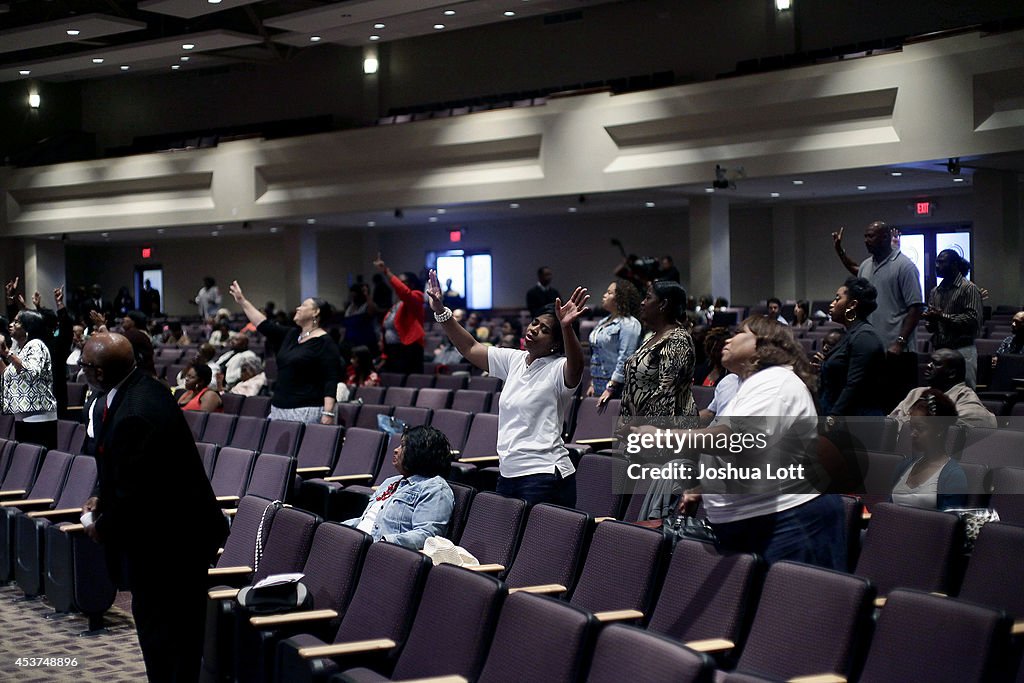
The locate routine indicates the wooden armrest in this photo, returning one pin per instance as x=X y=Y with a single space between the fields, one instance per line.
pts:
x=13 y=492
x=230 y=512
x=338 y=649
x=479 y=458
x=710 y=645
x=819 y=678
x=486 y=568
x=228 y=571
x=542 y=589
x=75 y=408
x=590 y=442
x=879 y=602
x=866 y=515
x=311 y=470
x=227 y=499
x=223 y=594
x=72 y=528
x=1018 y=628
x=273 y=620
x=941 y=595
x=55 y=513
x=618 y=615
x=598 y=520
x=452 y=678
x=349 y=477
x=26 y=502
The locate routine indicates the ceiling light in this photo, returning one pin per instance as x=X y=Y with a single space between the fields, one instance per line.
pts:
x=24 y=72
x=370 y=65
x=432 y=219
x=798 y=182
x=514 y=205
x=783 y=5
x=97 y=60
x=958 y=180
x=449 y=12
x=275 y=230
x=896 y=174
x=774 y=194
x=160 y=231
x=442 y=211
x=104 y=234
x=185 y=58
x=215 y=233
x=438 y=27
x=509 y=13
x=125 y=67
x=378 y=26
x=572 y=209
x=314 y=39
x=649 y=205
x=371 y=224
x=214 y=2
x=33 y=100
x=73 y=31
x=374 y=37
x=176 y=66
x=862 y=187
x=187 y=46
x=709 y=190
x=310 y=221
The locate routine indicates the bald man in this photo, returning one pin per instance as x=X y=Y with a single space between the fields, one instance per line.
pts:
x=154 y=510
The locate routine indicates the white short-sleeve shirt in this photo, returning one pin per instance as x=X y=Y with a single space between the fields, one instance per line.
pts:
x=533 y=405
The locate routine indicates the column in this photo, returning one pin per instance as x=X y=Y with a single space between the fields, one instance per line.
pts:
x=44 y=269
x=709 y=247
x=998 y=236
x=788 y=255
x=301 y=277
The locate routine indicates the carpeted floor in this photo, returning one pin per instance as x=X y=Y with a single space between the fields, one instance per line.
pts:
x=111 y=657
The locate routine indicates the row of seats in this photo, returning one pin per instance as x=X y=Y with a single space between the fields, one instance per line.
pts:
x=796 y=620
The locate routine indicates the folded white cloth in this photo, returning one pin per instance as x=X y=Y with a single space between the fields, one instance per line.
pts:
x=441 y=550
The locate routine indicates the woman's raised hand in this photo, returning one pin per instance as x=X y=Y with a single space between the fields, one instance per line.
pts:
x=235 y=290
x=434 y=293
x=573 y=308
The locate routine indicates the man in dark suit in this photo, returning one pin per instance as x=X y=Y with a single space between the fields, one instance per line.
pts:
x=155 y=511
x=542 y=293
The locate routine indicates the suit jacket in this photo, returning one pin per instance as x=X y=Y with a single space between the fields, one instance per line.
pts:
x=157 y=508
x=537 y=298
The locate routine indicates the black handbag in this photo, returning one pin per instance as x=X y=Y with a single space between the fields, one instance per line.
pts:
x=682 y=526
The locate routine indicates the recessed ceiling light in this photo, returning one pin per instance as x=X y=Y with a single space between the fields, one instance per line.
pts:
x=214 y=2
x=649 y=205
x=378 y=26
x=73 y=31
x=97 y=60
x=24 y=72
x=187 y=46
x=509 y=13
x=104 y=234
x=314 y=39
x=442 y=211
x=125 y=67
x=709 y=190
x=160 y=231
x=438 y=27
x=432 y=219
x=215 y=233
x=896 y=174
x=514 y=205
x=175 y=66
x=862 y=187
x=310 y=221
x=275 y=230
x=774 y=194
x=798 y=182
x=572 y=209
x=374 y=37
x=958 y=180
x=449 y=12
x=371 y=224
x=185 y=58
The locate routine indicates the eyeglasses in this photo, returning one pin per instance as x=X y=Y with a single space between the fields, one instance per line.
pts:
x=83 y=364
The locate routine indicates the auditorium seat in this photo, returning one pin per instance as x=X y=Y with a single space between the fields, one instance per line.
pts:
x=452 y=382
x=434 y=399
x=488 y=384
x=248 y=433
x=318 y=448
x=208 y=454
x=493 y=527
x=371 y=394
x=703 y=396
x=271 y=477
x=419 y=381
x=235 y=562
x=853 y=520
x=347 y=413
x=350 y=501
x=595 y=425
x=454 y=424
x=391 y=570
x=387 y=379
x=232 y=402
x=219 y=428
x=480 y=449
x=231 y=473
x=552 y=547
x=6 y=428
x=994 y=447
x=879 y=477
x=471 y=401
x=255 y=406
x=21 y=472
x=196 y=420
x=627 y=653
x=282 y=437
x=78 y=439
x=495 y=402
x=368 y=415
x=463 y=501
x=399 y=396
x=358 y=463
x=413 y=417
x=65 y=430
x=600 y=482
x=1008 y=494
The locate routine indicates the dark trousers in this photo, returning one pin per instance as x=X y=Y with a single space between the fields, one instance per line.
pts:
x=42 y=433
x=406 y=359
x=540 y=488
x=812 y=533
x=170 y=617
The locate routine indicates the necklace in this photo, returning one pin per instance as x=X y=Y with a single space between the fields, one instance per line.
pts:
x=305 y=335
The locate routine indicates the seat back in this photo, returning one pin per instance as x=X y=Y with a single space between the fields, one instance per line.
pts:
x=440 y=621
x=853 y=517
x=488 y=384
x=367 y=418
x=248 y=433
x=255 y=406
x=552 y=547
x=521 y=649
x=627 y=653
x=371 y=394
x=435 y=399
x=968 y=648
x=391 y=379
x=360 y=453
x=995 y=572
x=196 y=420
x=80 y=483
x=232 y=402
x=594 y=421
x=219 y=428
x=76 y=396
x=51 y=475
x=453 y=382
x=706 y=594
x=413 y=417
x=419 y=381
x=332 y=567
x=7 y=424
x=483 y=436
x=65 y=430
x=994 y=447
x=282 y=437
x=809 y=620
x=492 y=528
x=78 y=439
x=599 y=484
x=240 y=546
x=271 y=476
x=22 y=470
x=907 y=547
x=388 y=591
x=231 y=471
x=319 y=445
x=454 y=424
x=286 y=546
x=471 y=401
x=208 y=452
x=622 y=569
x=400 y=396
x=1008 y=494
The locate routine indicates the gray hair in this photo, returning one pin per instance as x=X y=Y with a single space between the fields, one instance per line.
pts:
x=251 y=363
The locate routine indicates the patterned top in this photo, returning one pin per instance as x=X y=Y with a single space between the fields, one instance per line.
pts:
x=960 y=303
x=658 y=379
x=29 y=392
x=1011 y=344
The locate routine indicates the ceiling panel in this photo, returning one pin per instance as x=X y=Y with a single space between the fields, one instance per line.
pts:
x=89 y=27
x=189 y=9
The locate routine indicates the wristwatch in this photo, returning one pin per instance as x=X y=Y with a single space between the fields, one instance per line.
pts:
x=902 y=341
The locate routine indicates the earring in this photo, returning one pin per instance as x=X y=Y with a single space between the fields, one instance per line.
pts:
x=848 y=312
x=316 y=321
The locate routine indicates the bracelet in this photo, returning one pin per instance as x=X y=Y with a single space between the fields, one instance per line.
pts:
x=327 y=413
x=444 y=316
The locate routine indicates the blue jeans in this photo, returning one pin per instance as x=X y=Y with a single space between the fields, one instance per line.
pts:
x=540 y=488
x=813 y=533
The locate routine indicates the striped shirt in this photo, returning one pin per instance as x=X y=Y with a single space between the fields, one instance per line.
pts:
x=960 y=303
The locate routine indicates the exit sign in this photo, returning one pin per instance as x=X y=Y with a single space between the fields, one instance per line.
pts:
x=923 y=208
x=147 y=252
